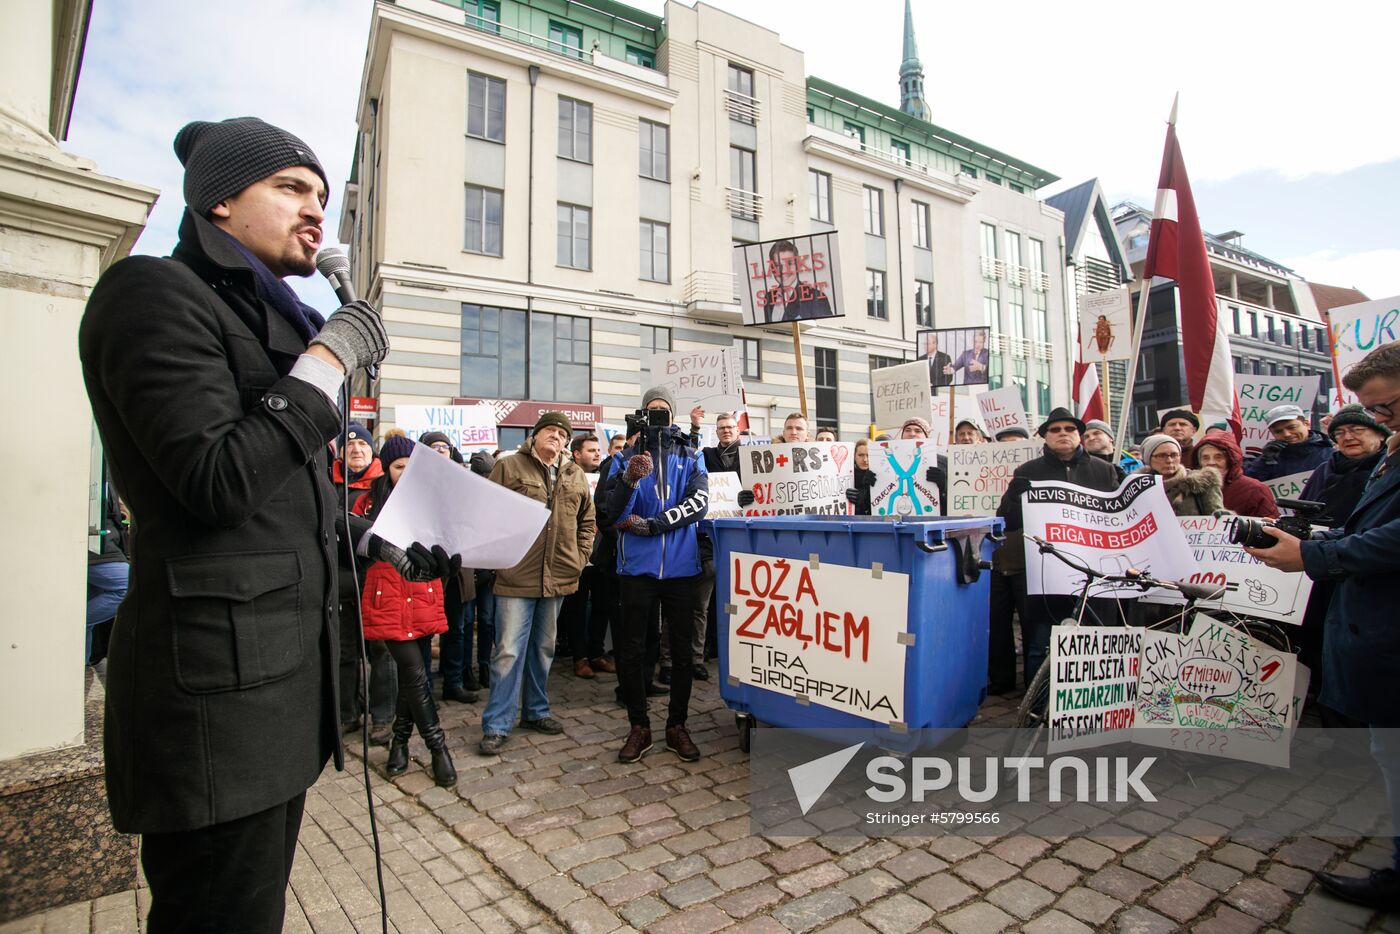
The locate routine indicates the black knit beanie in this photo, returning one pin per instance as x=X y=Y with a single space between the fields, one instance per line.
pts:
x=221 y=159
x=1355 y=415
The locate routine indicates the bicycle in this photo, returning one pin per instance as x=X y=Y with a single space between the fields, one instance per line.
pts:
x=1033 y=714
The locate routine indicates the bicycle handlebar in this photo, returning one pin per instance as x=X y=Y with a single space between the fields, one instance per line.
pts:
x=1191 y=591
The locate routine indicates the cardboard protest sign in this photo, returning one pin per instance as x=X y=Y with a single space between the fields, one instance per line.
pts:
x=978 y=474
x=724 y=495
x=1251 y=588
x=1258 y=394
x=966 y=404
x=828 y=635
x=1131 y=527
x=1216 y=691
x=902 y=487
x=792 y=479
x=956 y=356
x=708 y=378
x=793 y=279
x=900 y=392
x=1356 y=330
x=607 y=432
x=470 y=427
x=1093 y=685
x=1291 y=486
x=1002 y=409
x=1105 y=325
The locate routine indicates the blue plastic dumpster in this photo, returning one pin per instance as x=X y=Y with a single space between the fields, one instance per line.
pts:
x=945 y=660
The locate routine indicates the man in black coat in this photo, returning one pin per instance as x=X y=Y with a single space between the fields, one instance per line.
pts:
x=1064 y=460
x=213 y=389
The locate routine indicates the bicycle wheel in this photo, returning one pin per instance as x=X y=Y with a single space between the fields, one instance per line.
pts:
x=1032 y=717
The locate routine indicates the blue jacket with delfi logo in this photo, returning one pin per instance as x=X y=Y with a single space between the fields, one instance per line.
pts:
x=673 y=498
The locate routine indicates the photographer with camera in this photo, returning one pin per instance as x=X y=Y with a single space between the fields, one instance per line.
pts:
x=1361 y=650
x=661 y=493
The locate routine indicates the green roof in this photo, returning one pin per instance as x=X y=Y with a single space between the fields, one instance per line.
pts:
x=929 y=134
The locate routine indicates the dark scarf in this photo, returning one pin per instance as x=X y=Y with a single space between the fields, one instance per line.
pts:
x=306 y=320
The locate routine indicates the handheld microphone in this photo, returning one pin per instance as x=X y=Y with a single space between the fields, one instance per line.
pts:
x=332 y=263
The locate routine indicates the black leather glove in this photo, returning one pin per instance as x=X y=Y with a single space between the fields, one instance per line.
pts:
x=638 y=467
x=745 y=498
x=934 y=475
x=1271 y=452
x=868 y=480
x=418 y=563
x=852 y=495
x=356 y=335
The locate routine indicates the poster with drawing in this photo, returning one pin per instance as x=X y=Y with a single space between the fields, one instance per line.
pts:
x=902 y=487
x=978 y=474
x=1105 y=326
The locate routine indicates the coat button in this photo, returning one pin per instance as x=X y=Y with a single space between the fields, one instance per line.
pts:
x=276 y=403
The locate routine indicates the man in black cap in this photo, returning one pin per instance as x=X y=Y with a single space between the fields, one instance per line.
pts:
x=1181 y=426
x=1064 y=460
x=214 y=390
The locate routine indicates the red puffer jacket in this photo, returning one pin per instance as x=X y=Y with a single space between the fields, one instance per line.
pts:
x=1244 y=496
x=396 y=610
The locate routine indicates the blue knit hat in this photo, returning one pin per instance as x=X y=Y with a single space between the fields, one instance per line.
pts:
x=359 y=431
x=394 y=448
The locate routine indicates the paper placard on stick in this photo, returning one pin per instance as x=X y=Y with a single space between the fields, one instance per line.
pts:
x=1358 y=329
x=978 y=474
x=900 y=392
x=902 y=487
x=1093 y=685
x=724 y=495
x=1250 y=588
x=1258 y=394
x=792 y=479
x=966 y=408
x=829 y=633
x=792 y=279
x=708 y=378
x=1002 y=409
x=1131 y=527
x=471 y=428
x=1105 y=325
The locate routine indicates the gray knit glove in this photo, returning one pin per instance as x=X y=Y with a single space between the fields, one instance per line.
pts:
x=355 y=334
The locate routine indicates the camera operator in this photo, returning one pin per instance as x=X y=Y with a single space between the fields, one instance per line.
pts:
x=1361 y=650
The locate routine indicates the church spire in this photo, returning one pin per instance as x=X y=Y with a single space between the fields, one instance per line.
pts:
x=911 y=72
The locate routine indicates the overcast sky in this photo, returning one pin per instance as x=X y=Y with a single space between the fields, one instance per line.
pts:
x=1286 y=120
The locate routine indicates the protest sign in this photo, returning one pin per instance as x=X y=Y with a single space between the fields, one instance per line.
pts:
x=470 y=427
x=827 y=635
x=792 y=479
x=844 y=454
x=902 y=487
x=1291 y=486
x=1359 y=329
x=1216 y=691
x=724 y=495
x=592 y=479
x=1093 y=685
x=1105 y=325
x=1258 y=394
x=1130 y=527
x=940 y=404
x=1250 y=587
x=978 y=474
x=793 y=279
x=1002 y=409
x=708 y=378
x=900 y=392
x=607 y=432
x=955 y=355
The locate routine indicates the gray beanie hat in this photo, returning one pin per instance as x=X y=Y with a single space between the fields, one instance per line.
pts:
x=662 y=393
x=221 y=159
x=1153 y=442
x=1100 y=425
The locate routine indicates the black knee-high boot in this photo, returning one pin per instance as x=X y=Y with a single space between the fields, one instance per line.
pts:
x=425 y=716
x=397 y=763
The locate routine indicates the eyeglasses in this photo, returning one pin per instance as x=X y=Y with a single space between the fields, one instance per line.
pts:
x=440 y=446
x=1060 y=429
x=1167 y=456
x=1383 y=409
x=1357 y=430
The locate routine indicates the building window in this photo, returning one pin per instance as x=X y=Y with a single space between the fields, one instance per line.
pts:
x=900 y=150
x=1144 y=419
x=1240 y=364
x=991 y=306
x=486 y=107
x=740 y=82
x=743 y=172
x=1039 y=281
x=1257 y=366
x=967 y=170
x=1287 y=332
x=1304 y=333
x=828 y=395
x=1013 y=249
x=494 y=360
x=923 y=303
x=989 y=246
x=656 y=251
x=1321 y=336
x=921 y=228
x=566 y=40
x=874 y=211
x=819 y=195
x=483 y=220
x=636 y=56
x=875 y=294
x=854 y=130
x=1041 y=318
x=1269 y=328
x=1018 y=379
x=575 y=130
x=655 y=340
x=750 y=357
x=1042 y=387
x=1235 y=316
x=575 y=236
x=1253 y=323
x=993 y=179
x=1019 y=189
x=655 y=150
x=484 y=15
x=559 y=358
x=1147 y=367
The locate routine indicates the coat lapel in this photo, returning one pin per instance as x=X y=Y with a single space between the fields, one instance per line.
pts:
x=1384 y=485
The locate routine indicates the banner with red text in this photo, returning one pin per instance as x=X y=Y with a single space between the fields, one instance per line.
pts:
x=828 y=635
x=795 y=479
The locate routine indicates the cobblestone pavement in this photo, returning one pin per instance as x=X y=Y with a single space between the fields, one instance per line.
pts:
x=555 y=834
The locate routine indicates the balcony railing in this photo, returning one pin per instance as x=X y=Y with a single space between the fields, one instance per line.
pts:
x=741 y=107
x=746 y=205
x=1040 y=281
x=993 y=268
x=1016 y=275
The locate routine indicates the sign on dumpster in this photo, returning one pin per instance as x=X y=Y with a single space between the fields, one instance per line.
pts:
x=978 y=474
x=826 y=634
x=792 y=479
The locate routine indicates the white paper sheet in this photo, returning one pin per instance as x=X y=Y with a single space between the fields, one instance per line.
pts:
x=437 y=502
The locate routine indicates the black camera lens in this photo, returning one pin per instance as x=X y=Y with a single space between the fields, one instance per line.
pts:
x=1242 y=530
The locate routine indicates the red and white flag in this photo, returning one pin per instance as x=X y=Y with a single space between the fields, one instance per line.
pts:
x=1088 y=395
x=1177 y=250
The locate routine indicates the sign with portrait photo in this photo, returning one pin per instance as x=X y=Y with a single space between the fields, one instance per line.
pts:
x=793 y=279
x=956 y=356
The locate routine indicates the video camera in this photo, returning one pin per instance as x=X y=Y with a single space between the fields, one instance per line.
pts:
x=1242 y=530
x=650 y=421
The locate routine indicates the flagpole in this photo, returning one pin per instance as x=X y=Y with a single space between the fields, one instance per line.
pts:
x=1144 y=287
